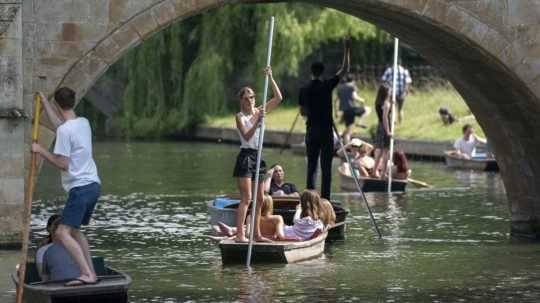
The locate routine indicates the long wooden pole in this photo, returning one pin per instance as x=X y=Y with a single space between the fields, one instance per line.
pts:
x=288 y=138
x=260 y=147
x=393 y=115
x=28 y=195
x=357 y=183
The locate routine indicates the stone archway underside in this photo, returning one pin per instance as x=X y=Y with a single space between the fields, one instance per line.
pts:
x=488 y=49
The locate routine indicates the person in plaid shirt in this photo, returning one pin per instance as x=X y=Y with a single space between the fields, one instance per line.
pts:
x=402 y=86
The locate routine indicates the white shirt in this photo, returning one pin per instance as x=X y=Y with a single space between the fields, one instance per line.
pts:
x=466 y=146
x=253 y=142
x=74 y=141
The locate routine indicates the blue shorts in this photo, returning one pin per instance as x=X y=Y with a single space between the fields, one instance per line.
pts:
x=80 y=205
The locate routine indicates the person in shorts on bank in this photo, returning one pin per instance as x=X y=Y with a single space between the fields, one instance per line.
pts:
x=465 y=146
x=275 y=183
x=348 y=98
x=53 y=261
x=72 y=154
x=247 y=124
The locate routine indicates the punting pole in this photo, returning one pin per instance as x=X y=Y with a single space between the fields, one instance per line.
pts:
x=357 y=183
x=260 y=147
x=28 y=195
x=393 y=115
x=288 y=138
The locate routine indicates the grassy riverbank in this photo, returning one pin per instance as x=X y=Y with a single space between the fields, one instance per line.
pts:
x=421 y=118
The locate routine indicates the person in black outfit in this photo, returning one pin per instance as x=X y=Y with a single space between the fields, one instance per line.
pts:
x=316 y=105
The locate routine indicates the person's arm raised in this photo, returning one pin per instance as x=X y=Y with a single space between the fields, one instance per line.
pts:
x=52 y=113
x=277 y=97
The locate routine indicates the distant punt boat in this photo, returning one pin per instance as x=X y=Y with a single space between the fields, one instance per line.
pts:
x=112 y=287
x=275 y=252
x=223 y=209
x=368 y=184
x=474 y=164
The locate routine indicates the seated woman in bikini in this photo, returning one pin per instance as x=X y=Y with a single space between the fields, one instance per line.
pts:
x=307 y=221
x=268 y=224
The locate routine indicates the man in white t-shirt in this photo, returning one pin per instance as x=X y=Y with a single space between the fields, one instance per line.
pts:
x=465 y=146
x=73 y=156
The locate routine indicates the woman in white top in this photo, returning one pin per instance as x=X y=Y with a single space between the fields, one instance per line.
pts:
x=307 y=219
x=247 y=123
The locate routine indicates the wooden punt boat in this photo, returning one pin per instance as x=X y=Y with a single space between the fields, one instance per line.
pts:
x=284 y=206
x=474 y=164
x=368 y=184
x=275 y=252
x=112 y=287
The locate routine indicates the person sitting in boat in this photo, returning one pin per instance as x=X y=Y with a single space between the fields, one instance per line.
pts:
x=53 y=261
x=269 y=221
x=275 y=184
x=307 y=219
x=247 y=124
x=465 y=147
x=400 y=169
x=327 y=213
x=359 y=155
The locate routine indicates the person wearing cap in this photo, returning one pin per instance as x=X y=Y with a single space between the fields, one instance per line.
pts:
x=359 y=151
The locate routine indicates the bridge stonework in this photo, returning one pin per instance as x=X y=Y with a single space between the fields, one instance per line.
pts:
x=490 y=51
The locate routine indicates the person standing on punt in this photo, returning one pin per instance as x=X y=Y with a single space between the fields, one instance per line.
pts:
x=383 y=108
x=247 y=124
x=73 y=156
x=316 y=104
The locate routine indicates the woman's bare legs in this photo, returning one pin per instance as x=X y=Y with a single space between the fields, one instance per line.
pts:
x=244 y=185
x=257 y=232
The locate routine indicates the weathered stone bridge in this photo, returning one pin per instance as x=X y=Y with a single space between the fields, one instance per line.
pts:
x=489 y=49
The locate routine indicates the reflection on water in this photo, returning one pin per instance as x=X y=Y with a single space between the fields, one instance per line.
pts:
x=444 y=244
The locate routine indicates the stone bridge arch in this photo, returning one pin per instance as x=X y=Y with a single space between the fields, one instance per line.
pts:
x=489 y=50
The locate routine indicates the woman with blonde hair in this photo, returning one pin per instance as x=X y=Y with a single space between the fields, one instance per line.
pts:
x=247 y=124
x=327 y=213
x=269 y=222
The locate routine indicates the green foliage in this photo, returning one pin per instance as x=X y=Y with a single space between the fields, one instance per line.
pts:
x=190 y=71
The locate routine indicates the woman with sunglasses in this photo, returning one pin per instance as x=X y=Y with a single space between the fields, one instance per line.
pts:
x=247 y=123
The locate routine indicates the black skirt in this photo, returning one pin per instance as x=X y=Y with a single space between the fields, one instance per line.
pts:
x=382 y=140
x=246 y=164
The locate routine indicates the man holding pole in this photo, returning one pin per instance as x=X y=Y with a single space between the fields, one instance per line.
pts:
x=73 y=156
x=316 y=104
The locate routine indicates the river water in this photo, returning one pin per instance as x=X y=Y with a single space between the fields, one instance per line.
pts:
x=445 y=244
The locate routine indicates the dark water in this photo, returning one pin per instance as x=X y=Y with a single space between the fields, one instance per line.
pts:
x=446 y=244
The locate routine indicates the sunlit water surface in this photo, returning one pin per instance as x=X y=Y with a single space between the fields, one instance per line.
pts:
x=445 y=244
